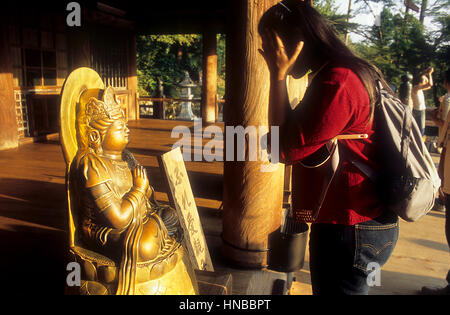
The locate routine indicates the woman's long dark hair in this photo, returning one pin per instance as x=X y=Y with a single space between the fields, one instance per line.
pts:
x=290 y=16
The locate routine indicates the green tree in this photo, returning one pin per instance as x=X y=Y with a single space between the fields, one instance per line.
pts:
x=221 y=51
x=166 y=57
x=402 y=43
x=329 y=9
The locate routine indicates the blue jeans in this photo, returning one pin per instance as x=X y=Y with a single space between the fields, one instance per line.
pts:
x=340 y=255
x=419 y=116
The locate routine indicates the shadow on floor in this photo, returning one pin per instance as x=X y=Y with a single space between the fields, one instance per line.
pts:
x=430 y=244
x=436 y=214
x=33 y=201
x=33 y=257
x=33 y=260
x=398 y=283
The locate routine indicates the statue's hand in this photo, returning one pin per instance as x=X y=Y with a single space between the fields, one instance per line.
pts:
x=140 y=179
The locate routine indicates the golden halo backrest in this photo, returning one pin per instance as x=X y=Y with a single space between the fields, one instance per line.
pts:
x=78 y=87
x=83 y=82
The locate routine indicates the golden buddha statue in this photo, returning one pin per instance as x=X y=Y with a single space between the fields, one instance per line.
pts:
x=116 y=235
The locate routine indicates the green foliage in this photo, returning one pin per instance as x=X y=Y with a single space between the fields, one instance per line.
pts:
x=329 y=8
x=402 y=44
x=166 y=57
x=221 y=64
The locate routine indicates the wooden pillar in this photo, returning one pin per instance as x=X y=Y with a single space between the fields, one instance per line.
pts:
x=209 y=86
x=9 y=137
x=133 y=106
x=252 y=198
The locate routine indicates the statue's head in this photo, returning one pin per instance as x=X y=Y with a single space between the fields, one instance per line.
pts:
x=102 y=124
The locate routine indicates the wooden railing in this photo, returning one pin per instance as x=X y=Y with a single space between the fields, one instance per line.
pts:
x=153 y=107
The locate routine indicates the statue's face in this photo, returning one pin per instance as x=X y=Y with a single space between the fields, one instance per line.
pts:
x=116 y=138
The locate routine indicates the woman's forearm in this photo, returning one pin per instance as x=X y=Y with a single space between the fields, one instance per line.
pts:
x=278 y=101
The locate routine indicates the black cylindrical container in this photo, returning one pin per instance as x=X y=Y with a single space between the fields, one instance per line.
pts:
x=288 y=247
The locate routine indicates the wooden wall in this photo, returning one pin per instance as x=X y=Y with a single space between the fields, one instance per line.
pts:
x=79 y=54
x=132 y=79
x=9 y=137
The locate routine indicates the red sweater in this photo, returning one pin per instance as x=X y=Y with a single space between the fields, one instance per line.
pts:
x=336 y=103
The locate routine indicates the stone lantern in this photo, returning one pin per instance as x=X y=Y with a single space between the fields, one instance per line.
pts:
x=186 y=106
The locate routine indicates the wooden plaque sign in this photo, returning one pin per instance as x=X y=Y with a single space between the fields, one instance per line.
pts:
x=182 y=199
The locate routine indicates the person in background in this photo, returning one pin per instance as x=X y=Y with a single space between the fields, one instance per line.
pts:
x=423 y=81
x=444 y=173
x=442 y=110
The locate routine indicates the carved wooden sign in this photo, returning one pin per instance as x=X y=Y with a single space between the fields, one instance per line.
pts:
x=182 y=199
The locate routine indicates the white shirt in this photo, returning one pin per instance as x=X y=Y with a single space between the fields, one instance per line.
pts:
x=418 y=99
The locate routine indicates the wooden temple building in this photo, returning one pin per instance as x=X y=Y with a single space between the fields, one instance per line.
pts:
x=39 y=49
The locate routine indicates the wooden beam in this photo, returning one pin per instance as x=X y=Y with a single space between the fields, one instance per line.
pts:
x=252 y=198
x=209 y=86
x=132 y=82
x=9 y=137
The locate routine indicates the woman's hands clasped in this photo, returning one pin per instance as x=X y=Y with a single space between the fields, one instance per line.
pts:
x=275 y=55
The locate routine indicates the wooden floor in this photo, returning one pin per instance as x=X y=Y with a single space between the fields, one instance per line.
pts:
x=33 y=222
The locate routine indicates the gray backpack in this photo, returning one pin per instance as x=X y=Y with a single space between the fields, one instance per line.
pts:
x=407 y=182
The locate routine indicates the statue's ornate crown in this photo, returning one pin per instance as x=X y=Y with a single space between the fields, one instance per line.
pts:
x=107 y=108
